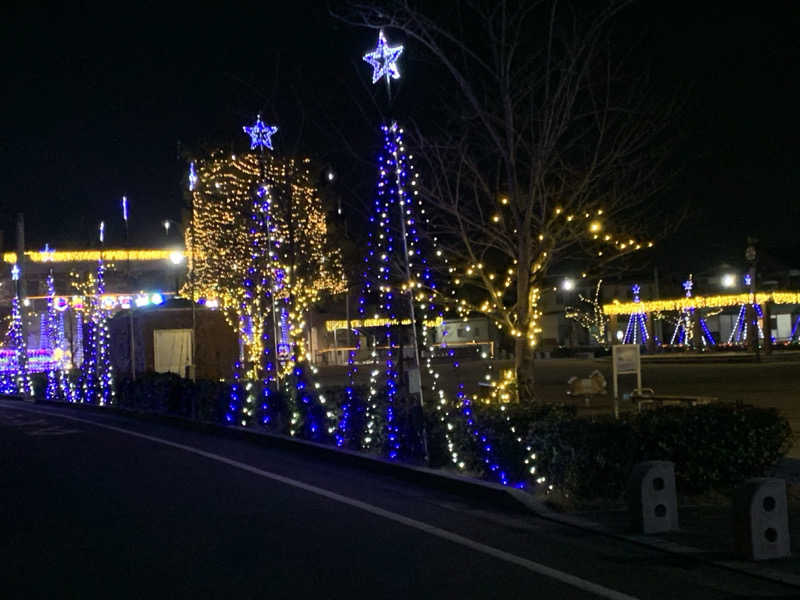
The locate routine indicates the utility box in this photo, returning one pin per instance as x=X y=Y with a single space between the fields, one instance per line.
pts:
x=761 y=519
x=414 y=380
x=651 y=496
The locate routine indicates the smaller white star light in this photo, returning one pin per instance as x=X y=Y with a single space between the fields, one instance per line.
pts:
x=47 y=253
x=260 y=134
x=688 y=285
x=384 y=60
x=15 y=272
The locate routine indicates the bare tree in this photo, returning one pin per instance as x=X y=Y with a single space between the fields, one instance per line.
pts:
x=548 y=153
x=588 y=313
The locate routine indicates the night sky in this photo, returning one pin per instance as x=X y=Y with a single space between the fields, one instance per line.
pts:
x=98 y=104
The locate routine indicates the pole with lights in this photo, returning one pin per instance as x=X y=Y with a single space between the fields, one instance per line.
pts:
x=20 y=374
x=393 y=197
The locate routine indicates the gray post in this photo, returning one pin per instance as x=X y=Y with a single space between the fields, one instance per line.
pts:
x=21 y=290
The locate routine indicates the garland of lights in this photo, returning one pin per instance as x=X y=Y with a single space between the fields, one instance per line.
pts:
x=684 y=302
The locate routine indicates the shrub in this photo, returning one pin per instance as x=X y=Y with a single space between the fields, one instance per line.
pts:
x=168 y=393
x=713 y=447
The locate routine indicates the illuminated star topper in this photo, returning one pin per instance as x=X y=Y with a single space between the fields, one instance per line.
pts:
x=384 y=60
x=15 y=272
x=636 y=289
x=260 y=134
x=688 y=285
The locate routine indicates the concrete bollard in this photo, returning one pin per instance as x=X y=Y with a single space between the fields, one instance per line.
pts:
x=761 y=519
x=652 y=501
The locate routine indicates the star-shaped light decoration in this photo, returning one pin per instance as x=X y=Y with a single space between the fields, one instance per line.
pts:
x=636 y=289
x=193 y=175
x=384 y=60
x=47 y=253
x=688 y=285
x=260 y=134
x=15 y=272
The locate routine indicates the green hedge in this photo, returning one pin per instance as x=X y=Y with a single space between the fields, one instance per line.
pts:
x=713 y=447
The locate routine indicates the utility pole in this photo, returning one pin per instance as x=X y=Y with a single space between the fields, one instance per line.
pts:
x=751 y=256
x=22 y=292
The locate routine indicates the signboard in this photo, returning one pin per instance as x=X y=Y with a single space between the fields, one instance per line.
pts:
x=625 y=360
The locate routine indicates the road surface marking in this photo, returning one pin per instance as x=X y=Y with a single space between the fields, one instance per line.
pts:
x=535 y=567
x=43 y=427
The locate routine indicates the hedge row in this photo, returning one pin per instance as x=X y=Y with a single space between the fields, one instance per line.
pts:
x=713 y=446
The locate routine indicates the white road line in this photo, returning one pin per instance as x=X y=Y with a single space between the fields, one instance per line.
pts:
x=535 y=567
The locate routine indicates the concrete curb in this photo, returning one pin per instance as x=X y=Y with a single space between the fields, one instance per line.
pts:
x=515 y=500
x=508 y=498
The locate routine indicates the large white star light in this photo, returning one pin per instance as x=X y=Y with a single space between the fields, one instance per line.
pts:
x=384 y=60
x=260 y=134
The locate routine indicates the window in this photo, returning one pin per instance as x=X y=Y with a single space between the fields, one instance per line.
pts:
x=172 y=350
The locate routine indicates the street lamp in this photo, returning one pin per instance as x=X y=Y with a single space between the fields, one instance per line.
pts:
x=728 y=280
x=568 y=285
x=176 y=257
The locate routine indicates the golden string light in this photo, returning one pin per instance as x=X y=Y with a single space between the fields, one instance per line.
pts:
x=683 y=303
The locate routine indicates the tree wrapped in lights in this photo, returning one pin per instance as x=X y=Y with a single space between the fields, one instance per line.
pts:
x=96 y=384
x=543 y=158
x=19 y=366
x=19 y=379
x=53 y=323
x=589 y=315
x=220 y=243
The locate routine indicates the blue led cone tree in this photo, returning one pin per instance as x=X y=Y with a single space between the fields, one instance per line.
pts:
x=691 y=329
x=636 y=332
x=18 y=375
x=398 y=294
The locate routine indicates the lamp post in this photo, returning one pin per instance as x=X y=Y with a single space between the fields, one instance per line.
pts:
x=568 y=286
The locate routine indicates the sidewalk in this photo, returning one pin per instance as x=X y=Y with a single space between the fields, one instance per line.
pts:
x=706 y=531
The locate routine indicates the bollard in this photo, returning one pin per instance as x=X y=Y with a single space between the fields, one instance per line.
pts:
x=761 y=519
x=652 y=501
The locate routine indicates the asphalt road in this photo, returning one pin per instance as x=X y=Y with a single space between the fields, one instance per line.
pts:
x=98 y=505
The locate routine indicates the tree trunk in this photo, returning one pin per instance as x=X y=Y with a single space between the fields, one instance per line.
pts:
x=523 y=365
